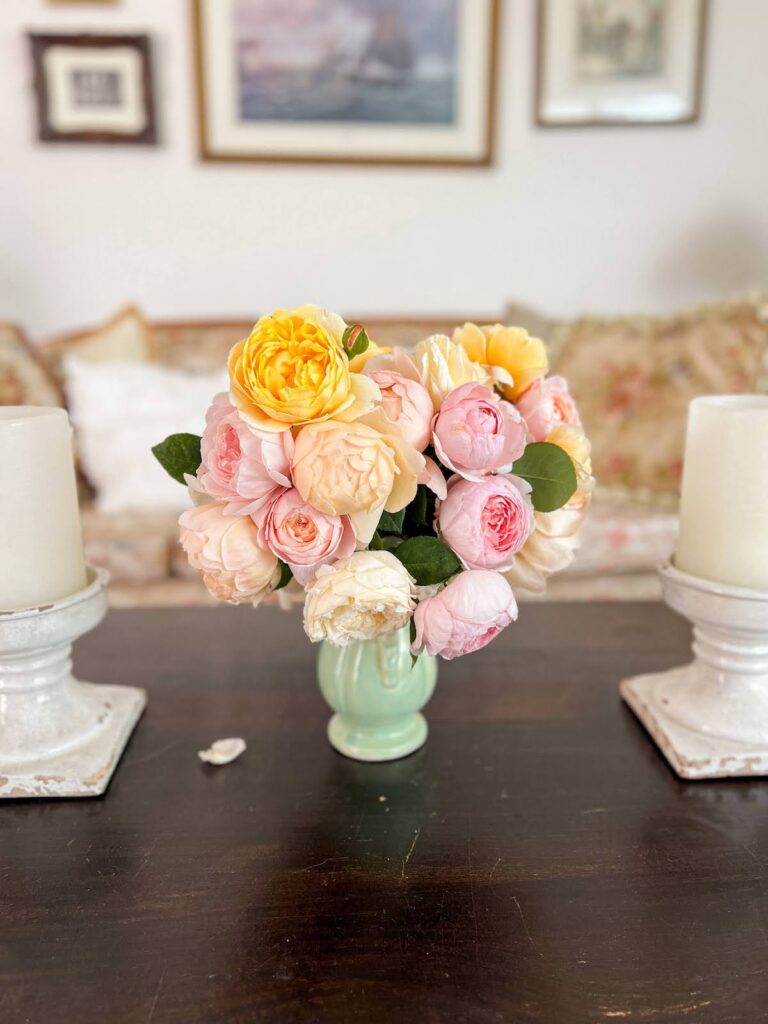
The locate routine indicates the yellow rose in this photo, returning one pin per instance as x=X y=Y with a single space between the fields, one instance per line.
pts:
x=292 y=369
x=357 y=469
x=575 y=443
x=511 y=349
x=443 y=366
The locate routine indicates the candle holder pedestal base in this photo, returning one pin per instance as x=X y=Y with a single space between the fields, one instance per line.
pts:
x=710 y=718
x=58 y=737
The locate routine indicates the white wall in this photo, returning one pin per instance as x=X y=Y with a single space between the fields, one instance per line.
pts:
x=566 y=221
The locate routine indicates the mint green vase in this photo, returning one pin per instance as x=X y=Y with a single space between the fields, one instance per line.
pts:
x=377 y=692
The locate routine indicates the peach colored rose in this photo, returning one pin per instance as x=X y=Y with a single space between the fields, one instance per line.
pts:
x=303 y=537
x=226 y=550
x=241 y=466
x=465 y=616
x=547 y=404
x=358 y=469
x=406 y=404
x=475 y=433
x=486 y=523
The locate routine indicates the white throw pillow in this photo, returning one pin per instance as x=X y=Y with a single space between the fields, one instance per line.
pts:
x=119 y=411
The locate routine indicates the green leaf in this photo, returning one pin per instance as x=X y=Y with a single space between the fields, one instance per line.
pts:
x=389 y=542
x=391 y=522
x=414 y=657
x=376 y=542
x=419 y=506
x=285 y=575
x=179 y=454
x=427 y=559
x=355 y=340
x=551 y=474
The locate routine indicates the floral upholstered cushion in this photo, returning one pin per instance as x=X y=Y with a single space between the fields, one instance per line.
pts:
x=620 y=538
x=24 y=378
x=634 y=378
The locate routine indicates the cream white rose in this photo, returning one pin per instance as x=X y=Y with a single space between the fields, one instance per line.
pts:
x=360 y=597
x=443 y=366
x=552 y=546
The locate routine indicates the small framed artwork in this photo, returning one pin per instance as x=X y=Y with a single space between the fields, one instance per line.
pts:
x=619 y=62
x=94 y=88
x=349 y=81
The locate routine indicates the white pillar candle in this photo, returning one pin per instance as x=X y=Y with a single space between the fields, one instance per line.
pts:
x=41 y=543
x=724 y=502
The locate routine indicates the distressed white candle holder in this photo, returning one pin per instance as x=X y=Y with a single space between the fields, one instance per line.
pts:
x=59 y=737
x=710 y=718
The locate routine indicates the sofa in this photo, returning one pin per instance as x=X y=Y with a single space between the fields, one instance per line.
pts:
x=632 y=377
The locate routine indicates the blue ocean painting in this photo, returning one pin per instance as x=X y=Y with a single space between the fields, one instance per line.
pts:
x=388 y=62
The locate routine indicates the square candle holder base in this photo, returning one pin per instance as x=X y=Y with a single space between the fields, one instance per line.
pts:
x=710 y=718
x=85 y=767
x=58 y=737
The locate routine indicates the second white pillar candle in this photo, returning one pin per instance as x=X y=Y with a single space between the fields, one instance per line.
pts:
x=724 y=502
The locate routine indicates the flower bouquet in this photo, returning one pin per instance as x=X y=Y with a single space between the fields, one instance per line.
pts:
x=403 y=496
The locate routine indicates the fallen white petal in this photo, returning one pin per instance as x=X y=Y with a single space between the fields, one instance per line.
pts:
x=222 y=751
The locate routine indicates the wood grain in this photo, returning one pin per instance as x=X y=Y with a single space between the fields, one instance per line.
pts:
x=537 y=861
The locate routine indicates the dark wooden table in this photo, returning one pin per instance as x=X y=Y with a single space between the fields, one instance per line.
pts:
x=536 y=861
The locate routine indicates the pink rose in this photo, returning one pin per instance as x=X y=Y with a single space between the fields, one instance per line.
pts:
x=242 y=466
x=226 y=550
x=486 y=523
x=467 y=615
x=545 y=405
x=406 y=403
x=475 y=433
x=304 y=537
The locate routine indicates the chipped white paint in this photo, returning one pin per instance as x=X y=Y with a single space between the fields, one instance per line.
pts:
x=58 y=737
x=710 y=718
x=223 y=751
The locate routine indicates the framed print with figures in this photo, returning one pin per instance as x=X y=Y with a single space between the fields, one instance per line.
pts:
x=619 y=62
x=349 y=81
x=93 y=88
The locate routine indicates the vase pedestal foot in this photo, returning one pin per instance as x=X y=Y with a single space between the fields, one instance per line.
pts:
x=384 y=740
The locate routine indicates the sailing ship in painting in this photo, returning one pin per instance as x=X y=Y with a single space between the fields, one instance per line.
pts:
x=368 y=61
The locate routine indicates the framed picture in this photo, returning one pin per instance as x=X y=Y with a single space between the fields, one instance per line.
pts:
x=93 y=88
x=619 y=62
x=352 y=81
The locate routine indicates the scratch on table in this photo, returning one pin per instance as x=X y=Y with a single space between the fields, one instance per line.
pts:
x=472 y=898
x=152 y=756
x=493 y=869
x=416 y=835
x=145 y=860
x=153 y=1007
x=516 y=901
x=322 y=862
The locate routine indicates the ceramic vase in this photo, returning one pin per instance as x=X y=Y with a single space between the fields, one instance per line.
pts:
x=377 y=691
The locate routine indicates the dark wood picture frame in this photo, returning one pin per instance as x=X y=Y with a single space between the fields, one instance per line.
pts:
x=40 y=43
x=539 y=82
x=207 y=154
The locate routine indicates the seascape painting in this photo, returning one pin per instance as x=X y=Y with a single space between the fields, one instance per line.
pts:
x=368 y=62
x=620 y=38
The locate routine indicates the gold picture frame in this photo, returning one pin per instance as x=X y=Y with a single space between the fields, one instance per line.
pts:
x=298 y=138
